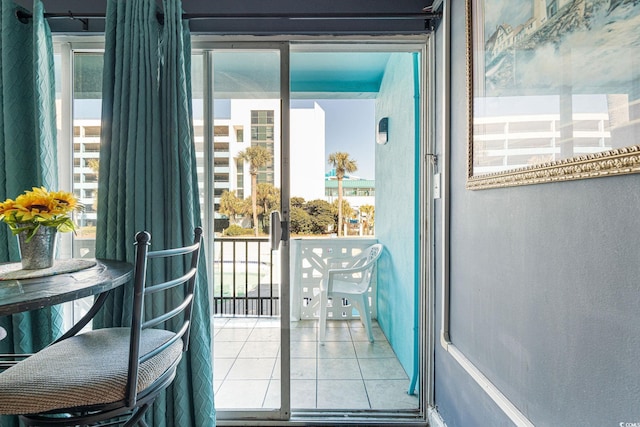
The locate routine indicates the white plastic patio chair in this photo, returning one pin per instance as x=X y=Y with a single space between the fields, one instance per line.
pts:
x=350 y=280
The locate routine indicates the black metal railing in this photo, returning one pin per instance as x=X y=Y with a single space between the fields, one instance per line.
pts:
x=245 y=281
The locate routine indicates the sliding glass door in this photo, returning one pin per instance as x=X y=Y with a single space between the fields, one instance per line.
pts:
x=239 y=123
x=295 y=104
x=356 y=137
x=269 y=117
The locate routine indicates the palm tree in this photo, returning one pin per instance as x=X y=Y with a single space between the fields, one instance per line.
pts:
x=368 y=212
x=342 y=164
x=257 y=157
x=268 y=200
x=230 y=205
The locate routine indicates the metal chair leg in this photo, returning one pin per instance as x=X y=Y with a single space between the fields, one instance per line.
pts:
x=138 y=416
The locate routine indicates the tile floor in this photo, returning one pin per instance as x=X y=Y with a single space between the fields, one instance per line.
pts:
x=347 y=372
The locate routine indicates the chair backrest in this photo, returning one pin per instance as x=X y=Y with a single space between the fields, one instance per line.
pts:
x=372 y=253
x=368 y=260
x=359 y=270
x=178 y=285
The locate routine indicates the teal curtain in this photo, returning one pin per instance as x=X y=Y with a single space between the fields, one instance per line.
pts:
x=148 y=180
x=28 y=147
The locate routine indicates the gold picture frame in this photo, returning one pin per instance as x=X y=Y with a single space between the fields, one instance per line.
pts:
x=553 y=89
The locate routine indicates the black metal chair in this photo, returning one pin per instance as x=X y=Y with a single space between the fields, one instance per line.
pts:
x=112 y=375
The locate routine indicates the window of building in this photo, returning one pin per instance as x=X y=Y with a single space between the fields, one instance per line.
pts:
x=221 y=162
x=221 y=147
x=240 y=177
x=220 y=130
x=92 y=131
x=262 y=134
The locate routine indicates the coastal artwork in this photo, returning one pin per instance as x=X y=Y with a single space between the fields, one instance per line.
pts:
x=552 y=80
x=545 y=45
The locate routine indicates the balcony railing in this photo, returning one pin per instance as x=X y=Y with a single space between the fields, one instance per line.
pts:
x=246 y=282
x=246 y=279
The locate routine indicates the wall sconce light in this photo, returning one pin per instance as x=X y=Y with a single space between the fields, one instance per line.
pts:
x=382 y=136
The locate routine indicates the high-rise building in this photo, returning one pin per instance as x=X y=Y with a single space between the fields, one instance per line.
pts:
x=238 y=125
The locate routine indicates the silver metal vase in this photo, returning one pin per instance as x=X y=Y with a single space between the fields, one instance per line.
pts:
x=38 y=252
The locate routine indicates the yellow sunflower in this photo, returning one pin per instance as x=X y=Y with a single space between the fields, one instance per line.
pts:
x=34 y=204
x=39 y=207
x=7 y=207
x=64 y=202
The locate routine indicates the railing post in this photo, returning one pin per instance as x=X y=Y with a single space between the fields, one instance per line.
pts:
x=259 y=301
x=255 y=302
x=246 y=277
x=233 y=295
x=271 y=282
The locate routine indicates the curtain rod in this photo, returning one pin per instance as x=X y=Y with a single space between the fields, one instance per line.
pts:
x=23 y=16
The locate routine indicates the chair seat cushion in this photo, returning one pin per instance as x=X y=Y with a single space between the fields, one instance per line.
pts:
x=87 y=369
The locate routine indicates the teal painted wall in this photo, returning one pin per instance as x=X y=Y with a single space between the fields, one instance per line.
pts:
x=395 y=203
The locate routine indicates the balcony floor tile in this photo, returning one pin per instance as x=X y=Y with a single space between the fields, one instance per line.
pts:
x=346 y=372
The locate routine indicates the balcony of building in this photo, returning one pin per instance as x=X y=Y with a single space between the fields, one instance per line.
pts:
x=247 y=335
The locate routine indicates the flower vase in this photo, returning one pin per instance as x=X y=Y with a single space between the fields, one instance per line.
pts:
x=38 y=252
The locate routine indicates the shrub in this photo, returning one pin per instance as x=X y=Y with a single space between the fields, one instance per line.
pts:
x=301 y=222
x=236 y=230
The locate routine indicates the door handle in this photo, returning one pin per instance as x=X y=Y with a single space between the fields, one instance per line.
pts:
x=275 y=231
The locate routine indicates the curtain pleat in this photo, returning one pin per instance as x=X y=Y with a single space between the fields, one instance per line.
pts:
x=148 y=180
x=28 y=152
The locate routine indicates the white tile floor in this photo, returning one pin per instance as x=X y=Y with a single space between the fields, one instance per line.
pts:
x=347 y=372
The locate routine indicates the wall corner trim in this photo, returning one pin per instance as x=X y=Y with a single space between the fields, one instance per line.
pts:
x=445 y=340
x=434 y=418
x=514 y=414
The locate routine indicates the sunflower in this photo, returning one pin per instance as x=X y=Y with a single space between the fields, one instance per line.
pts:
x=64 y=202
x=33 y=205
x=7 y=207
x=39 y=207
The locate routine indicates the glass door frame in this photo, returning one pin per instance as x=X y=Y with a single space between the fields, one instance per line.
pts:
x=426 y=169
x=68 y=45
x=424 y=45
x=208 y=49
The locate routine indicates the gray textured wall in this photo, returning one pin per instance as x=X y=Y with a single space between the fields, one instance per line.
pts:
x=545 y=291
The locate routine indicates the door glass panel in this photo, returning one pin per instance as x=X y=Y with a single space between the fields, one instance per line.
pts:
x=337 y=102
x=87 y=109
x=245 y=158
x=340 y=160
x=78 y=76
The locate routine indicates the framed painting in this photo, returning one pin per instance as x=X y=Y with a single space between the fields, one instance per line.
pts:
x=554 y=90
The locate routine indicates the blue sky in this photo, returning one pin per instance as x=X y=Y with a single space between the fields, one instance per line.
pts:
x=350 y=127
